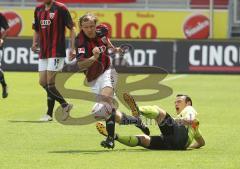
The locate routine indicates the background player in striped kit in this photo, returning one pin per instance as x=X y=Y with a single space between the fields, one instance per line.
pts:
x=50 y=20
x=4 y=25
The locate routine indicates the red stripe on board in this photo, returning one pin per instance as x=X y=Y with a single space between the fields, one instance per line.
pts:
x=93 y=1
x=215 y=68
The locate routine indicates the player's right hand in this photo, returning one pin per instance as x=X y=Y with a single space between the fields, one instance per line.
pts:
x=96 y=52
x=72 y=54
x=35 y=48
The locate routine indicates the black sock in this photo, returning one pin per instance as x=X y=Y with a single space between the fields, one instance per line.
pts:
x=126 y=120
x=50 y=102
x=54 y=93
x=110 y=125
x=2 y=79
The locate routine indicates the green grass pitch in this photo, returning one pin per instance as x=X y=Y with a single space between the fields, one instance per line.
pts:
x=25 y=144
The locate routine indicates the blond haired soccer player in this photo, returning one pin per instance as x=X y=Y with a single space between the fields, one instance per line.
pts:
x=177 y=133
x=91 y=45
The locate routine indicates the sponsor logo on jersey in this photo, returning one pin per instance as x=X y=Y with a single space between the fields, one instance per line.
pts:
x=81 y=50
x=51 y=15
x=45 y=22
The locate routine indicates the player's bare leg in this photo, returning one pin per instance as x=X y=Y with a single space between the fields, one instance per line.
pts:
x=66 y=108
x=50 y=100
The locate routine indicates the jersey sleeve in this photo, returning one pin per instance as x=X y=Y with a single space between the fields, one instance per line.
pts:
x=81 y=49
x=4 y=23
x=35 y=25
x=68 y=22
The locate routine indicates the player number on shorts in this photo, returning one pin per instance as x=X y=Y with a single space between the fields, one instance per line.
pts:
x=56 y=62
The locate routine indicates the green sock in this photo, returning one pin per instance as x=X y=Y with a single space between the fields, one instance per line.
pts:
x=131 y=141
x=150 y=112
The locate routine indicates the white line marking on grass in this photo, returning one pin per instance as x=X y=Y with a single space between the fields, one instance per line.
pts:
x=174 y=78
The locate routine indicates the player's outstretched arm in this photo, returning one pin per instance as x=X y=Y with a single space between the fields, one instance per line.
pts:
x=199 y=142
x=72 y=52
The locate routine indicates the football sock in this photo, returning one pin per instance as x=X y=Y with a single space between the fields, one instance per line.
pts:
x=126 y=119
x=2 y=79
x=54 y=93
x=131 y=141
x=150 y=112
x=50 y=102
x=110 y=125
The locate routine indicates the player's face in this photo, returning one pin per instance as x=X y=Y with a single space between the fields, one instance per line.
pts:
x=89 y=29
x=47 y=1
x=180 y=104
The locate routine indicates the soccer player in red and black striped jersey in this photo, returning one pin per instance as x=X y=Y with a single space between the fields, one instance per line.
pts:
x=92 y=44
x=5 y=26
x=50 y=20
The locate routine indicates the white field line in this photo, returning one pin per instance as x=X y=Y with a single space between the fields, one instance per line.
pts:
x=174 y=78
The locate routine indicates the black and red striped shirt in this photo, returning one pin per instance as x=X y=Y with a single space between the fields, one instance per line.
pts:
x=50 y=24
x=84 y=47
x=3 y=23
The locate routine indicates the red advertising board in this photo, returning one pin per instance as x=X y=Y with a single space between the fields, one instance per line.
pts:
x=94 y=1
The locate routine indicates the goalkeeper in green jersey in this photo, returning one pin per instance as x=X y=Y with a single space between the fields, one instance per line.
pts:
x=178 y=133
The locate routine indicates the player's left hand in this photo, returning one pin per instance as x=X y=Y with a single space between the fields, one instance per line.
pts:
x=72 y=54
x=1 y=42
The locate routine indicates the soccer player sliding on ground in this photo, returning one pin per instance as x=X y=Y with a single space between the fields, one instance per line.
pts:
x=92 y=44
x=176 y=133
x=50 y=20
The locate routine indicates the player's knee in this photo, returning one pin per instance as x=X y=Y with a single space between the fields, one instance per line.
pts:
x=162 y=114
x=118 y=116
x=102 y=110
x=106 y=94
x=42 y=83
x=144 y=140
x=105 y=98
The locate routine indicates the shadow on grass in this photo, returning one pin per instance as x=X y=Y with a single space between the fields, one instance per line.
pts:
x=27 y=121
x=97 y=151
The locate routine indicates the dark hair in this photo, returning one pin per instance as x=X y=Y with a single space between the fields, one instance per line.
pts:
x=87 y=17
x=187 y=98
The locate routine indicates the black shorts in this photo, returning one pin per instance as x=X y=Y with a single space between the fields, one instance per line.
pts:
x=174 y=136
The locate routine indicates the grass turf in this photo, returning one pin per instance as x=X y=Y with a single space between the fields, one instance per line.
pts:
x=27 y=144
